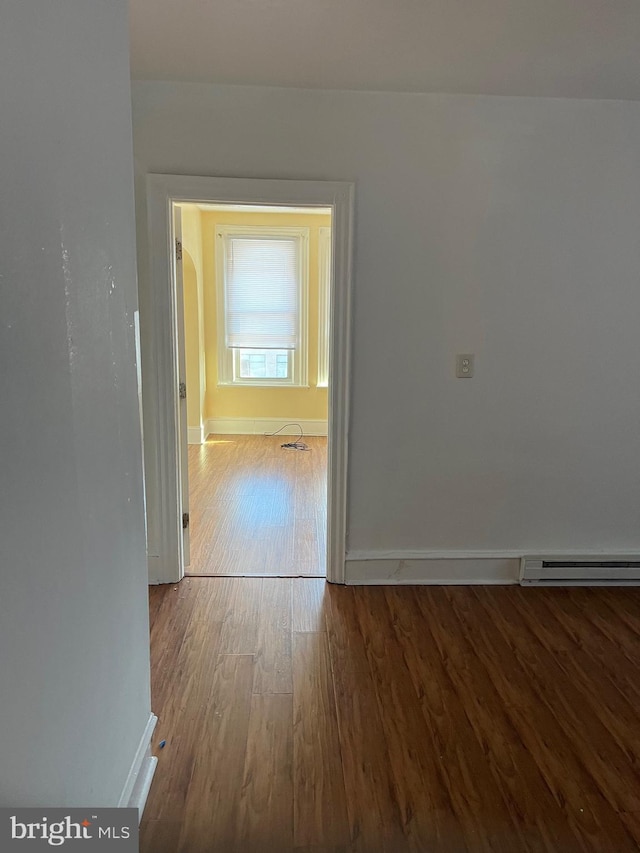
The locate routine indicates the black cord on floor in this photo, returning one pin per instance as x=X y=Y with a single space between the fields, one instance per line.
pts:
x=292 y=445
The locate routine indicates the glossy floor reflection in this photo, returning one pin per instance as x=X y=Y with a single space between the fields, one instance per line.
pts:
x=256 y=508
x=305 y=717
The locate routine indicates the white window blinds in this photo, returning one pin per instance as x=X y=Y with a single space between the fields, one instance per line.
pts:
x=262 y=292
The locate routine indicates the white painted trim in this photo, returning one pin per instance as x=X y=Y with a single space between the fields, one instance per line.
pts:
x=136 y=788
x=261 y=426
x=434 y=554
x=449 y=567
x=196 y=435
x=160 y=368
x=160 y=372
x=324 y=304
x=442 y=570
x=262 y=208
x=339 y=379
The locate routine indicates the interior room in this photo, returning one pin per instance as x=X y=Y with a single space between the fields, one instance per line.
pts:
x=256 y=417
x=465 y=676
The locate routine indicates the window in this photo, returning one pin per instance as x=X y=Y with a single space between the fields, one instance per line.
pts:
x=263 y=363
x=262 y=305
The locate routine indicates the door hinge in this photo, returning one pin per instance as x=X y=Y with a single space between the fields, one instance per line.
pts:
x=185 y=520
x=178 y=250
x=182 y=390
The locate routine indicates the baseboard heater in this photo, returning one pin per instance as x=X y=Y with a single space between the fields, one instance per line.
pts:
x=580 y=571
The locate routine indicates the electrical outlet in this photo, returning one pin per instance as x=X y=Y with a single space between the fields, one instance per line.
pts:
x=464 y=365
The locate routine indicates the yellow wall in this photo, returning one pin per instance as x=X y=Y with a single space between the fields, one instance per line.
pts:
x=192 y=339
x=241 y=402
x=193 y=289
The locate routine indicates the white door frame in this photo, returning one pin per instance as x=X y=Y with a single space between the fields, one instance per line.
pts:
x=162 y=368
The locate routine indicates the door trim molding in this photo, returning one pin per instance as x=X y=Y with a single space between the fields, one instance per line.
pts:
x=161 y=370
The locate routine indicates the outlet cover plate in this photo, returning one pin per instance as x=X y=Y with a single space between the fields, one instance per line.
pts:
x=465 y=365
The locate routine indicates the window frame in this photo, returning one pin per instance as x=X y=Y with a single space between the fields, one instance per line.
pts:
x=229 y=357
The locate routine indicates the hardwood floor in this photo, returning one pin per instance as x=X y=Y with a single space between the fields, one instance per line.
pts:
x=256 y=508
x=300 y=716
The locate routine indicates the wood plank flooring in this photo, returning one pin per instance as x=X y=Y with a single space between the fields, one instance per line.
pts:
x=304 y=717
x=256 y=508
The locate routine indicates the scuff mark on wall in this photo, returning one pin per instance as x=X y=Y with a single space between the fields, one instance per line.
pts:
x=68 y=299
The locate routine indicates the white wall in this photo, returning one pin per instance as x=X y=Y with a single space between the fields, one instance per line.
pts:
x=508 y=227
x=74 y=647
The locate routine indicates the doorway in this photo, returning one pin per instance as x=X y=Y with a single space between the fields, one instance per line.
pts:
x=167 y=503
x=256 y=285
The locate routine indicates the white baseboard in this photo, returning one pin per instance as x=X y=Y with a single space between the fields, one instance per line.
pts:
x=431 y=567
x=136 y=788
x=260 y=426
x=196 y=435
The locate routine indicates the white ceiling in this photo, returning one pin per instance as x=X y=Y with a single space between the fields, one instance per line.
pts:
x=570 y=48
